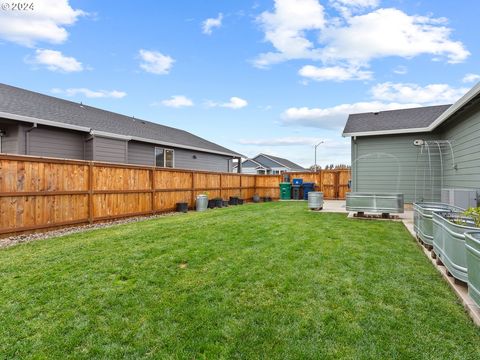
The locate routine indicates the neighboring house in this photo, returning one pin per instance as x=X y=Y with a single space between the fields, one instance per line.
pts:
x=268 y=164
x=41 y=125
x=417 y=151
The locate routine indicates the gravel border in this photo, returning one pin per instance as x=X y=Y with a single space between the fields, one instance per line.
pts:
x=26 y=238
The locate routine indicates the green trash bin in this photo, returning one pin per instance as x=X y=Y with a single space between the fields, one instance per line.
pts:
x=285 y=191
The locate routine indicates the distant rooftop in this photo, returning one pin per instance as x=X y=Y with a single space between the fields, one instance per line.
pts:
x=266 y=161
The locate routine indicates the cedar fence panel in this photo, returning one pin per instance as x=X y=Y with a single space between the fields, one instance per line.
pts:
x=268 y=185
x=343 y=179
x=329 y=184
x=45 y=193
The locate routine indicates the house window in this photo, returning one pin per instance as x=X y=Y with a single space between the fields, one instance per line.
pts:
x=164 y=157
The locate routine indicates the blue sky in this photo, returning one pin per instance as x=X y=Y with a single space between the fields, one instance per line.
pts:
x=254 y=76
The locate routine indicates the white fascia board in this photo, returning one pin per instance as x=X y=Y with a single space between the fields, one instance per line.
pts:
x=43 y=122
x=256 y=162
x=473 y=92
x=110 y=135
x=386 y=132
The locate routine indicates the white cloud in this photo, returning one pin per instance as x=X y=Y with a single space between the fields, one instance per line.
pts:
x=470 y=78
x=385 y=96
x=400 y=70
x=334 y=118
x=177 y=101
x=46 y=22
x=155 y=62
x=90 y=93
x=209 y=24
x=353 y=41
x=430 y=94
x=285 y=28
x=390 y=32
x=335 y=73
x=234 y=103
x=56 y=61
x=283 y=141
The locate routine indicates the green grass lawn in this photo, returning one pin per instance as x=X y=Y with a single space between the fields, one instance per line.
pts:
x=266 y=280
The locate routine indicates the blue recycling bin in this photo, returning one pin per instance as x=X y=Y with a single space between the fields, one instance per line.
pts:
x=307 y=187
x=297 y=182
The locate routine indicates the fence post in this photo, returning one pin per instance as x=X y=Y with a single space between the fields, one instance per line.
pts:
x=221 y=185
x=153 y=186
x=240 y=186
x=90 y=192
x=193 y=188
x=337 y=184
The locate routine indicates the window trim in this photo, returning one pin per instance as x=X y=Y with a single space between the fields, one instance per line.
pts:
x=164 y=157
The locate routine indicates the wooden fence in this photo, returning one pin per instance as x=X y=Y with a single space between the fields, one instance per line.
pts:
x=43 y=193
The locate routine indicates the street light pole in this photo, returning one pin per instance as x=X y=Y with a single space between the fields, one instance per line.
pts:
x=321 y=142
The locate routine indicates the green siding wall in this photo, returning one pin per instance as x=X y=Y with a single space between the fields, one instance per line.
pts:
x=389 y=163
x=465 y=133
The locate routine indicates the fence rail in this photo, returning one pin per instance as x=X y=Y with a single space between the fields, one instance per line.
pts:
x=41 y=193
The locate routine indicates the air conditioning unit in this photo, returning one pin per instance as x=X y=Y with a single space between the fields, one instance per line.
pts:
x=464 y=198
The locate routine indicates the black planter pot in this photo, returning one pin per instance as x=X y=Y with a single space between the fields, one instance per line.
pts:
x=211 y=204
x=218 y=203
x=225 y=203
x=240 y=201
x=269 y=199
x=233 y=200
x=182 y=207
x=265 y=199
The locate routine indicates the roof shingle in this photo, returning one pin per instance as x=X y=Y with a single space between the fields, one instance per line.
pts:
x=412 y=118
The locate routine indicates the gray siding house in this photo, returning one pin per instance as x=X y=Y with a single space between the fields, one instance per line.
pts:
x=417 y=151
x=268 y=165
x=41 y=125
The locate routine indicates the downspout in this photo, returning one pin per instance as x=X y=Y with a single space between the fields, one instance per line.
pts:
x=87 y=139
x=354 y=164
x=27 y=138
x=2 y=134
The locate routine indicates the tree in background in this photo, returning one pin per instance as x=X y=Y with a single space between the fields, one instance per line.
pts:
x=313 y=169
x=329 y=167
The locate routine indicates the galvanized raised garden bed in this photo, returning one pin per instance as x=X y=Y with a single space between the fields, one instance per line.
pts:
x=449 y=230
x=383 y=203
x=472 y=246
x=423 y=215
